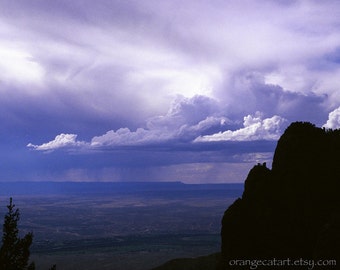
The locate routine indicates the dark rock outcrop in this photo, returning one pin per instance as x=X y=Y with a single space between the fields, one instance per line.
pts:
x=293 y=210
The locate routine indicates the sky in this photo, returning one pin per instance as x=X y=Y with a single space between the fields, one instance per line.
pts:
x=197 y=91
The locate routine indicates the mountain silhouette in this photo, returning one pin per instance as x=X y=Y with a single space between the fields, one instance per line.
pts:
x=293 y=210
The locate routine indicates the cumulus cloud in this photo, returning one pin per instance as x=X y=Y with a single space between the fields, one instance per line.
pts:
x=156 y=135
x=255 y=128
x=333 y=121
x=125 y=137
x=60 y=141
x=170 y=130
x=185 y=120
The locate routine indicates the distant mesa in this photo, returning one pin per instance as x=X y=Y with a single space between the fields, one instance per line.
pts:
x=293 y=210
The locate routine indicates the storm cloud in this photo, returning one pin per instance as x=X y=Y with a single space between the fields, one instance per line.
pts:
x=173 y=85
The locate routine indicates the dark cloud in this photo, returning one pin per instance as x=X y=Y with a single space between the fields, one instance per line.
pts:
x=247 y=92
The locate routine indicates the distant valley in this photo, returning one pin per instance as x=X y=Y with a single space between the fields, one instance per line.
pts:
x=119 y=225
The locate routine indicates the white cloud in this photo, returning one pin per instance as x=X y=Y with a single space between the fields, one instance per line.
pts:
x=185 y=120
x=60 y=141
x=126 y=137
x=255 y=128
x=158 y=134
x=207 y=123
x=333 y=121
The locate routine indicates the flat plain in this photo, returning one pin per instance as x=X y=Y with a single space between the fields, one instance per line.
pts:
x=134 y=226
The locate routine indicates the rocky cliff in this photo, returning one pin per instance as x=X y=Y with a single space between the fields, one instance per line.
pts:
x=293 y=210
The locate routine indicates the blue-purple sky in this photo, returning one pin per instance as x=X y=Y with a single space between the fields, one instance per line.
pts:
x=193 y=91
